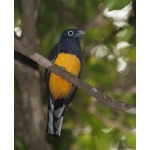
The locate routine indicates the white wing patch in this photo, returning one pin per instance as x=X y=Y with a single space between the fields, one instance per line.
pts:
x=58 y=125
x=50 y=123
x=55 y=119
x=58 y=113
x=51 y=104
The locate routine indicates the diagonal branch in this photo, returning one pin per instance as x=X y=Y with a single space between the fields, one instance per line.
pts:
x=101 y=97
x=108 y=122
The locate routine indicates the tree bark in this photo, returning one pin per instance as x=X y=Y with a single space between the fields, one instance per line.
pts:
x=30 y=120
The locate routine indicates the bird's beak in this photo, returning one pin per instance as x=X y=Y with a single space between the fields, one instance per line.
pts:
x=79 y=34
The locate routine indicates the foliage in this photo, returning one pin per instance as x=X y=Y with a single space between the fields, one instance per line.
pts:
x=110 y=69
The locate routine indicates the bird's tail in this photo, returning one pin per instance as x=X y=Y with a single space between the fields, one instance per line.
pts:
x=55 y=118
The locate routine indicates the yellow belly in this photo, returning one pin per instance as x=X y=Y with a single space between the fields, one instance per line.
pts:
x=59 y=87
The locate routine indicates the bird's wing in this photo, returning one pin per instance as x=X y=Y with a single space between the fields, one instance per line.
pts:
x=52 y=56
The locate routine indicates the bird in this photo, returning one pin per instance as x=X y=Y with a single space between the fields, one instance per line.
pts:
x=67 y=55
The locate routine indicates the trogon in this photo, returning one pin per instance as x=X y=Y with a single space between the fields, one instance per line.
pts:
x=66 y=54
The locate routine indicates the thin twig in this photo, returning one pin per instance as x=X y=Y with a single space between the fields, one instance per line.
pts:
x=111 y=123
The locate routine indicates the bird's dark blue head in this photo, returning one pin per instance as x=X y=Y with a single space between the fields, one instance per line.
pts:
x=71 y=34
x=69 y=42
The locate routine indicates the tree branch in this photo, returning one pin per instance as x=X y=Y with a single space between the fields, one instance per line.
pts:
x=101 y=97
x=96 y=20
x=108 y=122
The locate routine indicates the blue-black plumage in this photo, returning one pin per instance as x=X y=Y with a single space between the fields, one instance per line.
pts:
x=67 y=54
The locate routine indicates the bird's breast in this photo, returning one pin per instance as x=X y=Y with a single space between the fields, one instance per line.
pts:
x=58 y=86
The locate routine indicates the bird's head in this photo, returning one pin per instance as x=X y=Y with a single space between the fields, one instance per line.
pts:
x=71 y=33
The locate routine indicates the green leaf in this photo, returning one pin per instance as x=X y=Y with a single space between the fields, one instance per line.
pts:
x=117 y=4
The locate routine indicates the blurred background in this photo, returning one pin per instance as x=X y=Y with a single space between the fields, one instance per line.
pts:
x=108 y=49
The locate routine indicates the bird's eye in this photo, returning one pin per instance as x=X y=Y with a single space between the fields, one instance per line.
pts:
x=70 y=33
